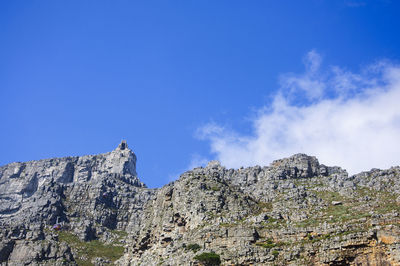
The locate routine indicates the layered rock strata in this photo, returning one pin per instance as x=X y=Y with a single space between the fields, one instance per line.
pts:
x=295 y=211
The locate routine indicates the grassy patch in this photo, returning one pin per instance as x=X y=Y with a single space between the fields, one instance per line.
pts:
x=330 y=196
x=316 y=238
x=211 y=215
x=89 y=250
x=215 y=188
x=193 y=247
x=227 y=224
x=275 y=253
x=380 y=202
x=208 y=258
x=263 y=207
x=308 y=223
x=388 y=202
x=339 y=213
x=272 y=223
x=269 y=243
x=350 y=209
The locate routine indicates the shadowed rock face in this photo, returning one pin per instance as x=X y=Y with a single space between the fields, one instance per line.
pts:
x=89 y=196
x=29 y=191
x=292 y=212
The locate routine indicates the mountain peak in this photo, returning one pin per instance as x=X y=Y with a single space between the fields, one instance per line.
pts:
x=123 y=145
x=293 y=212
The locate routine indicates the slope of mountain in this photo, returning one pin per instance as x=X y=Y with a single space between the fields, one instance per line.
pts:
x=93 y=210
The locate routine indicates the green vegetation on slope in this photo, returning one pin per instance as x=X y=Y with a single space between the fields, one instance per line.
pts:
x=208 y=258
x=87 y=251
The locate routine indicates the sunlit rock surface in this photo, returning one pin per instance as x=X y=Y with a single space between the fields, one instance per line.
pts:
x=94 y=210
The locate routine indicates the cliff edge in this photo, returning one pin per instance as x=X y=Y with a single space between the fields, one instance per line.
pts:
x=94 y=210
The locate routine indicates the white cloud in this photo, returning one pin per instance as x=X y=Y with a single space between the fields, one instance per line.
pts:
x=197 y=160
x=344 y=118
x=310 y=83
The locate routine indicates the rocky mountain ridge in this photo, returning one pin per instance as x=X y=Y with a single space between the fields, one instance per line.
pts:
x=294 y=212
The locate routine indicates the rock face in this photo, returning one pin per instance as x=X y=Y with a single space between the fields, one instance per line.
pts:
x=93 y=210
x=95 y=197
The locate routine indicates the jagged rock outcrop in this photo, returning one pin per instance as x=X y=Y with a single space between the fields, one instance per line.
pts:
x=90 y=197
x=296 y=211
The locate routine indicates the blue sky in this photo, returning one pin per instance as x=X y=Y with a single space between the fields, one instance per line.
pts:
x=189 y=81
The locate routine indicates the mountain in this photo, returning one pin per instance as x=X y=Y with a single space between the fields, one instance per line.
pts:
x=94 y=210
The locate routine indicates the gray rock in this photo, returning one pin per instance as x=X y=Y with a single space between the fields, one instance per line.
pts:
x=295 y=211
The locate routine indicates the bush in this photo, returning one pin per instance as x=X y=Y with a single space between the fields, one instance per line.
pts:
x=193 y=247
x=275 y=253
x=208 y=258
x=266 y=244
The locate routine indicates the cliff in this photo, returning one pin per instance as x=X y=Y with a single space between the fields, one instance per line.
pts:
x=93 y=210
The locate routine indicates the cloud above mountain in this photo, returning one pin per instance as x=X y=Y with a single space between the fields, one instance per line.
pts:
x=344 y=118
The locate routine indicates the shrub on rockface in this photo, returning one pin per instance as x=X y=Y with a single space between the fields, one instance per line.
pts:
x=193 y=247
x=208 y=258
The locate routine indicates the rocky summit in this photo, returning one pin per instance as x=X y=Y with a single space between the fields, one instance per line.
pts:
x=94 y=210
